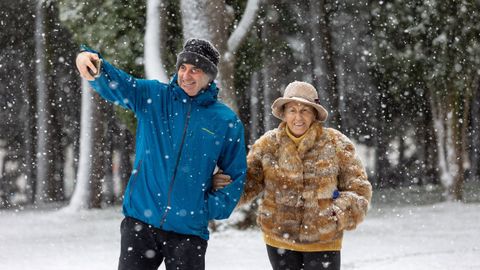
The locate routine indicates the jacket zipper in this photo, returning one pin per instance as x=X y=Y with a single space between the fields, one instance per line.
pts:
x=170 y=188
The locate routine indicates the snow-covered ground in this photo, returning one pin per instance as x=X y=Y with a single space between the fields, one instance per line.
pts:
x=438 y=236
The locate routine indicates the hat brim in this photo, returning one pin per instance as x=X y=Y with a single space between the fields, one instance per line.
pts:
x=277 y=107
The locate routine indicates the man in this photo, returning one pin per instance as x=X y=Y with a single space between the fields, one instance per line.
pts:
x=183 y=132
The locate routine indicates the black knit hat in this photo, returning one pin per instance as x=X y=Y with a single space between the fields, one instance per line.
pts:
x=200 y=53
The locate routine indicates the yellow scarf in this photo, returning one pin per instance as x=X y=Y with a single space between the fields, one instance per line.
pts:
x=296 y=140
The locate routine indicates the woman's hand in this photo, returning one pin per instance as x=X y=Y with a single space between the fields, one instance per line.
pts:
x=220 y=180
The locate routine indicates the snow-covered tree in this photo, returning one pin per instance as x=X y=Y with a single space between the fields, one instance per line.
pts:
x=91 y=24
x=81 y=195
x=212 y=20
x=155 y=36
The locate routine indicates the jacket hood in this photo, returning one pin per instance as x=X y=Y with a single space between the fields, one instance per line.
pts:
x=205 y=97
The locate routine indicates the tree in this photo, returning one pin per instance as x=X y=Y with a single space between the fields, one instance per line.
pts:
x=48 y=183
x=324 y=56
x=82 y=193
x=475 y=138
x=212 y=20
x=17 y=103
x=432 y=59
x=155 y=46
x=91 y=23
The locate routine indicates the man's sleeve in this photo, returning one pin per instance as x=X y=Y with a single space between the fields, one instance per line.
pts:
x=117 y=86
x=232 y=161
x=254 y=184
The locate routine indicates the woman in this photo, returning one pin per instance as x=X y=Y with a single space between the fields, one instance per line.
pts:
x=312 y=183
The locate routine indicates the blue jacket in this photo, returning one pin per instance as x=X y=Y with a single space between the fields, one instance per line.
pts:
x=179 y=141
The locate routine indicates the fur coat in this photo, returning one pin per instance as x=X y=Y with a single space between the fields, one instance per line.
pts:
x=310 y=193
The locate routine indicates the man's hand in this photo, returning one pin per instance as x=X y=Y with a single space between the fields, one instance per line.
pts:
x=86 y=65
x=220 y=180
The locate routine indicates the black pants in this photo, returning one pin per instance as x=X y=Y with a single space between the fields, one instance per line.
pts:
x=282 y=259
x=144 y=247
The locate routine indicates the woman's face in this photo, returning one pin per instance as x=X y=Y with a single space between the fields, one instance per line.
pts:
x=299 y=117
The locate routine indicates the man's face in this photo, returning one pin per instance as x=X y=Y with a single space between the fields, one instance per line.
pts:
x=192 y=79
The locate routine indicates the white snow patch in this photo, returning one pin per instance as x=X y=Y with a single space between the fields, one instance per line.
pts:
x=439 y=236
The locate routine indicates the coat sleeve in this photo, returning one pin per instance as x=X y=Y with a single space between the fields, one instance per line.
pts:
x=355 y=190
x=221 y=203
x=255 y=178
x=117 y=86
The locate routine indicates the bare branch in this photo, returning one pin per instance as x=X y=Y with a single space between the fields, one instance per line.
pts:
x=248 y=18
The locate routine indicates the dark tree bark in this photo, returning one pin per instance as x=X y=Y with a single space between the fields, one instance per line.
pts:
x=100 y=126
x=47 y=187
x=475 y=138
x=322 y=26
x=271 y=56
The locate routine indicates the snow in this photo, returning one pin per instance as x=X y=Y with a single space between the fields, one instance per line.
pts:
x=154 y=68
x=241 y=30
x=194 y=19
x=436 y=236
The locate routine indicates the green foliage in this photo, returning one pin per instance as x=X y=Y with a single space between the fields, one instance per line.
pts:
x=174 y=38
x=426 y=44
x=115 y=28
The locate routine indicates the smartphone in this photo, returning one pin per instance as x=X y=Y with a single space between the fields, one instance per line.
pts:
x=98 y=65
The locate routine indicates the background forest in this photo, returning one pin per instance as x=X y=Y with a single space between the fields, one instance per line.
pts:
x=401 y=78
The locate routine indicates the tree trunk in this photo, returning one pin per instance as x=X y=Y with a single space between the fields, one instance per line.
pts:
x=209 y=19
x=444 y=118
x=330 y=69
x=271 y=73
x=319 y=78
x=461 y=126
x=256 y=108
x=47 y=189
x=108 y=186
x=29 y=134
x=155 y=36
x=381 y=138
x=430 y=157
x=402 y=162
x=475 y=138
x=81 y=194
x=98 y=157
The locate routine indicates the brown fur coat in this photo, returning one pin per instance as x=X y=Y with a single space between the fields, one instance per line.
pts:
x=298 y=184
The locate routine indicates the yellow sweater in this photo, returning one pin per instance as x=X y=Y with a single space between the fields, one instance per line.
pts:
x=314 y=247
x=296 y=140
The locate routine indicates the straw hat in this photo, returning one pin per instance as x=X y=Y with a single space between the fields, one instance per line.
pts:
x=301 y=92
